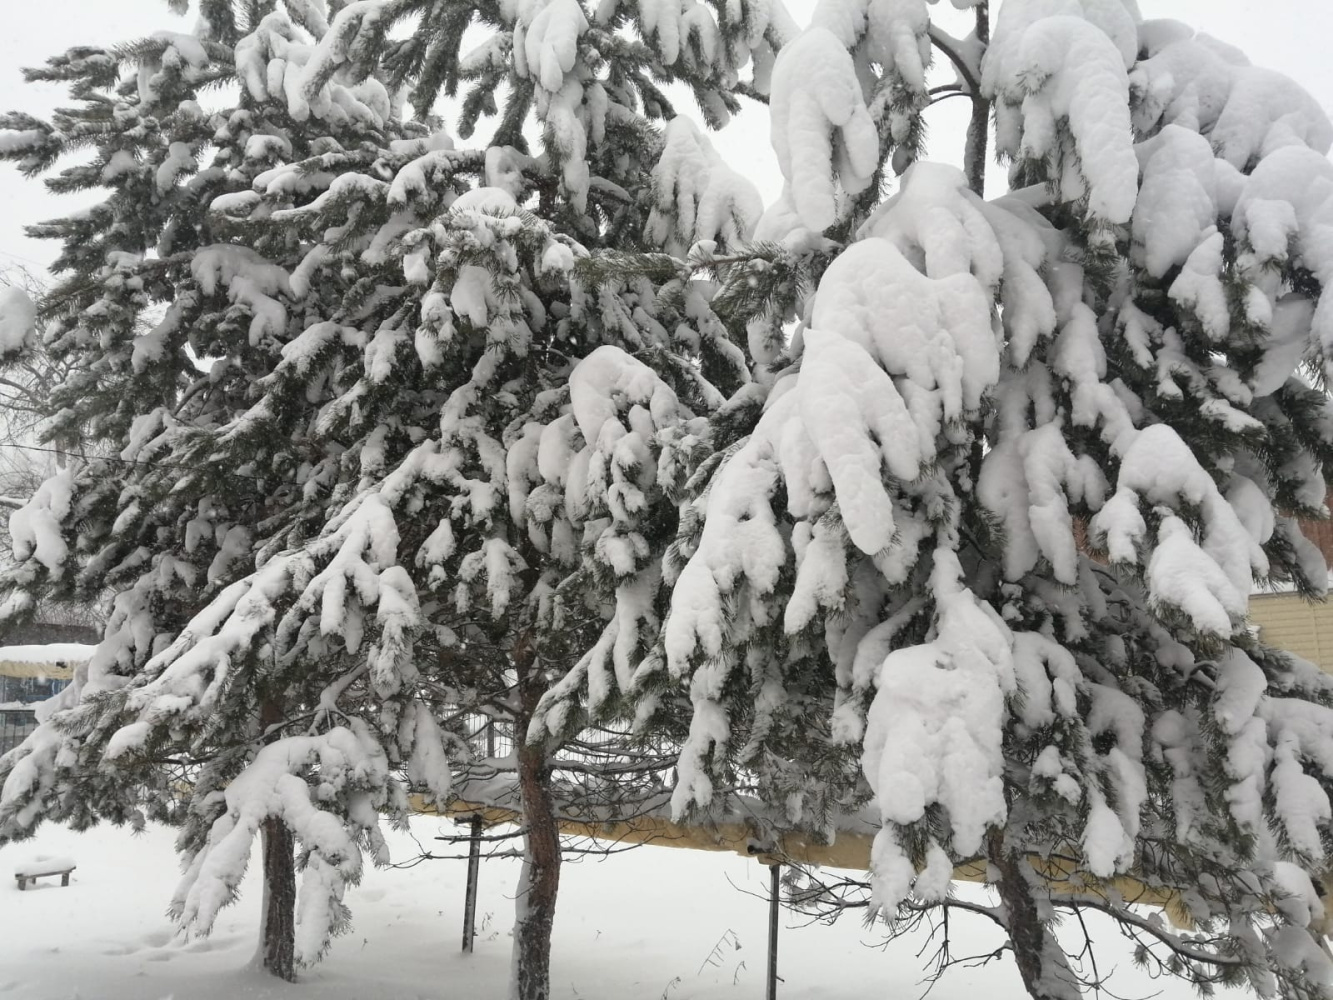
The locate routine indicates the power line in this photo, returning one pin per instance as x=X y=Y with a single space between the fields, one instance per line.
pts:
x=26 y=260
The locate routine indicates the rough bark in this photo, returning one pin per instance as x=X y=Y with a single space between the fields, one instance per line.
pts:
x=540 y=880
x=277 y=930
x=1045 y=975
x=978 y=128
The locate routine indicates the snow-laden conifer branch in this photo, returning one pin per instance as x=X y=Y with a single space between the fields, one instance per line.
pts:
x=1095 y=379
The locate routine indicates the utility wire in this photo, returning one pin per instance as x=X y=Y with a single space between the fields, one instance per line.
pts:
x=26 y=260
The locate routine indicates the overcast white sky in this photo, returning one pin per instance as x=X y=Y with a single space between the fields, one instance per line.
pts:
x=1293 y=36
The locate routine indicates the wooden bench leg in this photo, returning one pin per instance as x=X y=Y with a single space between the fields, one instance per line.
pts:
x=64 y=879
x=23 y=884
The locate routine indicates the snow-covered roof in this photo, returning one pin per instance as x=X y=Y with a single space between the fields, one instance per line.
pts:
x=50 y=652
x=1278 y=589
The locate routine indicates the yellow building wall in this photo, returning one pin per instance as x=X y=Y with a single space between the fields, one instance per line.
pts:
x=1289 y=622
x=49 y=671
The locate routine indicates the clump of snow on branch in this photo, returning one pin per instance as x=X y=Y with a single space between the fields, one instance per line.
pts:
x=18 y=320
x=277 y=61
x=1210 y=88
x=934 y=730
x=626 y=436
x=1210 y=581
x=1067 y=61
x=822 y=131
x=697 y=196
x=36 y=529
x=894 y=359
x=893 y=36
x=288 y=781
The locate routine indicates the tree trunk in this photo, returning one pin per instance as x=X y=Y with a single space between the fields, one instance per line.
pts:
x=278 y=927
x=1045 y=972
x=540 y=880
x=978 y=129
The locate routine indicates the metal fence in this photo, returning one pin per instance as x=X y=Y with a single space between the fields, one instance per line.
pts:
x=487 y=737
x=490 y=738
x=601 y=771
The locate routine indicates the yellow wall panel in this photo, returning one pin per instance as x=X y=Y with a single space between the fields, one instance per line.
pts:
x=1291 y=623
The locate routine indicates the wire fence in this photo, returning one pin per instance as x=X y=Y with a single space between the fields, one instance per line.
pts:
x=492 y=740
x=602 y=773
x=487 y=738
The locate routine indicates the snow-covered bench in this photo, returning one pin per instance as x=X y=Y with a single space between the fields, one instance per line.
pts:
x=41 y=868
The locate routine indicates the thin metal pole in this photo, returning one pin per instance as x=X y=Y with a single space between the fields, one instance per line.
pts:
x=473 y=870
x=774 y=909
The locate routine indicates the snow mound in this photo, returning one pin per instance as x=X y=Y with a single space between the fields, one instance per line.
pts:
x=42 y=863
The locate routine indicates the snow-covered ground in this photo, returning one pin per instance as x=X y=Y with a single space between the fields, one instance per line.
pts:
x=640 y=925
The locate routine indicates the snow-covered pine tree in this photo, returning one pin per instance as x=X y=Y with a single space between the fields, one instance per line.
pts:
x=170 y=321
x=492 y=413
x=498 y=408
x=996 y=531
x=477 y=448
x=29 y=377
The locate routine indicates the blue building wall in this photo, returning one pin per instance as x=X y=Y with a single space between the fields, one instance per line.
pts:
x=15 y=725
x=27 y=689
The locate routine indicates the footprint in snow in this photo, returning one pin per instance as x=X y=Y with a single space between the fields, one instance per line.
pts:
x=216 y=942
